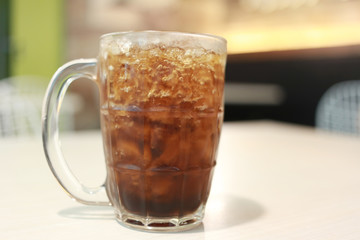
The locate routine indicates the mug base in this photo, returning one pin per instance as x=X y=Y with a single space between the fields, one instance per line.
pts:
x=155 y=224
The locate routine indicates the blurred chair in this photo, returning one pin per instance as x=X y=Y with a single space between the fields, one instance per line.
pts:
x=339 y=108
x=20 y=107
x=19 y=114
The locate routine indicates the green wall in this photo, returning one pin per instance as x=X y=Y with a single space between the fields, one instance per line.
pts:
x=4 y=38
x=37 y=37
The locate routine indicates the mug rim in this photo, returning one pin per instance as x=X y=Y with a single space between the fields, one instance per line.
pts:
x=190 y=34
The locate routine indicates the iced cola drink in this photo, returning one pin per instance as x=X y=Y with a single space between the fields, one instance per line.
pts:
x=161 y=116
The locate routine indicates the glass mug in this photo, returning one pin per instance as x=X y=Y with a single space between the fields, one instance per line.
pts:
x=161 y=107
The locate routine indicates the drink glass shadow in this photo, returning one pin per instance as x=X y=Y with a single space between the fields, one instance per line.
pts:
x=224 y=211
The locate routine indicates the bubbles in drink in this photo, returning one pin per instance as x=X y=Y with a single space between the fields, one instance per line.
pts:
x=163 y=109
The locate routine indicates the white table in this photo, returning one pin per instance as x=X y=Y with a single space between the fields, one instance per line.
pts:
x=272 y=181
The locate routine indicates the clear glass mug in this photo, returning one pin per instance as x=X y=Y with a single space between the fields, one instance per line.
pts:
x=161 y=107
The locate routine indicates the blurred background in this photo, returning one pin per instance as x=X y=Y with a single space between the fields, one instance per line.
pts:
x=287 y=58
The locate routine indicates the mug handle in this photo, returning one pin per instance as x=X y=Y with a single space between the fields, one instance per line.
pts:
x=63 y=77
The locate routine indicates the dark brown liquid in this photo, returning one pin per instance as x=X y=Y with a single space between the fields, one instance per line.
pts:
x=161 y=118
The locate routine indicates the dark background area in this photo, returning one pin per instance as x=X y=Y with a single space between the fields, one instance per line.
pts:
x=304 y=75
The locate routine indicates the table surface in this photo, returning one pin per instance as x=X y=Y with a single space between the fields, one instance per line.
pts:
x=272 y=181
